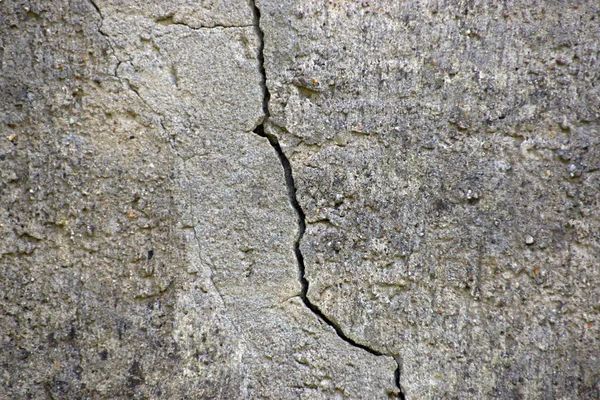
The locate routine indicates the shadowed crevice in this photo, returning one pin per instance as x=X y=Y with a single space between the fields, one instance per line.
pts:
x=291 y=188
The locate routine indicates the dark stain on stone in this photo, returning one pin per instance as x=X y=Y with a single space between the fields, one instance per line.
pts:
x=71 y=335
x=136 y=375
x=51 y=340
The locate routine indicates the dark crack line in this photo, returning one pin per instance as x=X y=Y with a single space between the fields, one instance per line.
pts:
x=169 y=21
x=97 y=8
x=291 y=187
x=263 y=73
x=107 y=37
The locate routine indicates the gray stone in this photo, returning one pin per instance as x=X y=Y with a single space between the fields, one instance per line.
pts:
x=292 y=199
x=432 y=266
x=148 y=236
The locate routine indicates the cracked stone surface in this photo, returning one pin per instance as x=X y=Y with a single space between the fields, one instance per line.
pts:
x=148 y=236
x=412 y=199
x=446 y=156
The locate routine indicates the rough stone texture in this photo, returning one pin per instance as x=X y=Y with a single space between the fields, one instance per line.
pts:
x=147 y=234
x=445 y=158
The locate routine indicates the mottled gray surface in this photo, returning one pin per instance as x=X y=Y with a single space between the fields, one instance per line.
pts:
x=147 y=234
x=445 y=156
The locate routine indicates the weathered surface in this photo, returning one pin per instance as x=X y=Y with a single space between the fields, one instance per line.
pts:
x=147 y=234
x=445 y=159
x=446 y=156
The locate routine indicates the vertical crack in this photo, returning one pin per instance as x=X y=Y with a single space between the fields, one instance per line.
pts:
x=291 y=188
x=108 y=41
x=261 y=66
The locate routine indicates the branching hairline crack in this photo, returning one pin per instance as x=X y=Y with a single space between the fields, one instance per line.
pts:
x=124 y=81
x=291 y=187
